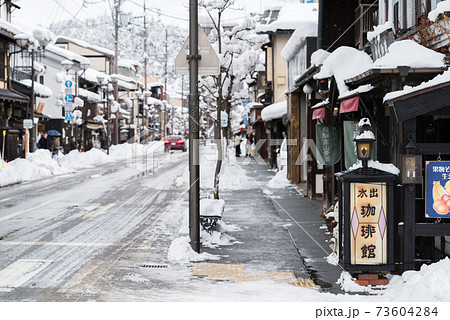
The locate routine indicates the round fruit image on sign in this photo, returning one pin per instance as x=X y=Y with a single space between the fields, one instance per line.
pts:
x=441 y=198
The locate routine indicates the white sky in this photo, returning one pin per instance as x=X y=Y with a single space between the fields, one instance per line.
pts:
x=45 y=12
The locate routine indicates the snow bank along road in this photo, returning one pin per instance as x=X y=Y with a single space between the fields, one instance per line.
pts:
x=59 y=235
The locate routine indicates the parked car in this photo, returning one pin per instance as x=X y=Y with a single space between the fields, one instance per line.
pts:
x=282 y=155
x=175 y=142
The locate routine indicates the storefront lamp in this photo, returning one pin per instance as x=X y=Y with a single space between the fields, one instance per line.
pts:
x=364 y=146
x=22 y=41
x=67 y=65
x=114 y=78
x=412 y=165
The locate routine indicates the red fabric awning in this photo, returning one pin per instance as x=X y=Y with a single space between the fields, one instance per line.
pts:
x=318 y=113
x=349 y=105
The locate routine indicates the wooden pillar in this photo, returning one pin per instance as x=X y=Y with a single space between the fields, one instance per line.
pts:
x=294 y=134
x=409 y=207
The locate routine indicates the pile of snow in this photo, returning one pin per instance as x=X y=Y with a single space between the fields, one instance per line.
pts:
x=280 y=180
x=410 y=53
x=386 y=167
x=212 y=207
x=344 y=63
x=441 y=7
x=274 y=111
x=428 y=284
x=378 y=30
x=76 y=160
x=40 y=164
x=318 y=57
x=180 y=251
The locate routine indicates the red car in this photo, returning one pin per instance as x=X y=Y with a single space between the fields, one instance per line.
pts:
x=174 y=142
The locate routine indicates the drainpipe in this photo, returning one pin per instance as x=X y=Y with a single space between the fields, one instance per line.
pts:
x=320 y=26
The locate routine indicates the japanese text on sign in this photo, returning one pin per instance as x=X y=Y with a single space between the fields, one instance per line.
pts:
x=368 y=223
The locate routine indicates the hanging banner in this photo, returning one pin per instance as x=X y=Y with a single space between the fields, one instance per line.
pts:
x=368 y=220
x=328 y=144
x=437 y=181
x=318 y=113
x=351 y=131
x=349 y=105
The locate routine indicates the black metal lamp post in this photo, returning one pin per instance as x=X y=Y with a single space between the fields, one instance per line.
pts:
x=23 y=41
x=364 y=144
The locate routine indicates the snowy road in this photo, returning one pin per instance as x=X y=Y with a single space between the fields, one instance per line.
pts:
x=60 y=235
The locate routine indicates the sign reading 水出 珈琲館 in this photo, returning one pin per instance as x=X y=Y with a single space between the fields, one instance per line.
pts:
x=368 y=223
x=437 y=183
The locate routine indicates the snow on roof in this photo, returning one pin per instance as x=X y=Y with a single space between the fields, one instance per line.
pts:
x=318 y=57
x=344 y=63
x=254 y=104
x=379 y=30
x=4 y=25
x=274 y=111
x=440 y=8
x=410 y=53
x=307 y=29
x=66 y=53
x=386 y=167
x=91 y=76
x=91 y=96
x=40 y=90
x=360 y=89
x=128 y=63
x=84 y=44
x=291 y=17
x=151 y=100
x=321 y=104
x=438 y=80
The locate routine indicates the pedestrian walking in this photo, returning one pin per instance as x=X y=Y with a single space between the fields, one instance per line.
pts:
x=248 y=146
x=237 y=145
x=56 y=145
x=44 y=142
x=73 y=144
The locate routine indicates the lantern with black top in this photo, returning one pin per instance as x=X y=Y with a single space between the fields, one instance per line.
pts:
x=364 y=142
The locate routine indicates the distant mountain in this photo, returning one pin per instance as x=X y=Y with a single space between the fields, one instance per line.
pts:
x=100 y=32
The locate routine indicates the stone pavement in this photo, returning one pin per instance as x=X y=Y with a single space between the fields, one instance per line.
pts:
x=279 y=231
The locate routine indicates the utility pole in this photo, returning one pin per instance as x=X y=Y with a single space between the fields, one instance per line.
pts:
x=145 y=69
x=194 y=165
x=165 y=90
x=116 y=68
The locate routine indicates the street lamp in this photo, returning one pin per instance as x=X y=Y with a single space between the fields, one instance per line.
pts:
x=138 y=126
x=23 y=41
x=104 y=86
x=67 y=65
x=115 y=80
x=364 y=142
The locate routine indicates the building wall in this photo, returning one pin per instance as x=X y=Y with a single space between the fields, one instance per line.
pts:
x=98 y=61
x=387 y=10
x=280 y=68
x=3 y=67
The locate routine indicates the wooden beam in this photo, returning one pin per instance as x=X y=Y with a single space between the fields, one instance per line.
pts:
x=433 y=148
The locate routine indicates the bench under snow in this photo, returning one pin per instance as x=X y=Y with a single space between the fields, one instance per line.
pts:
x=210 y=212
